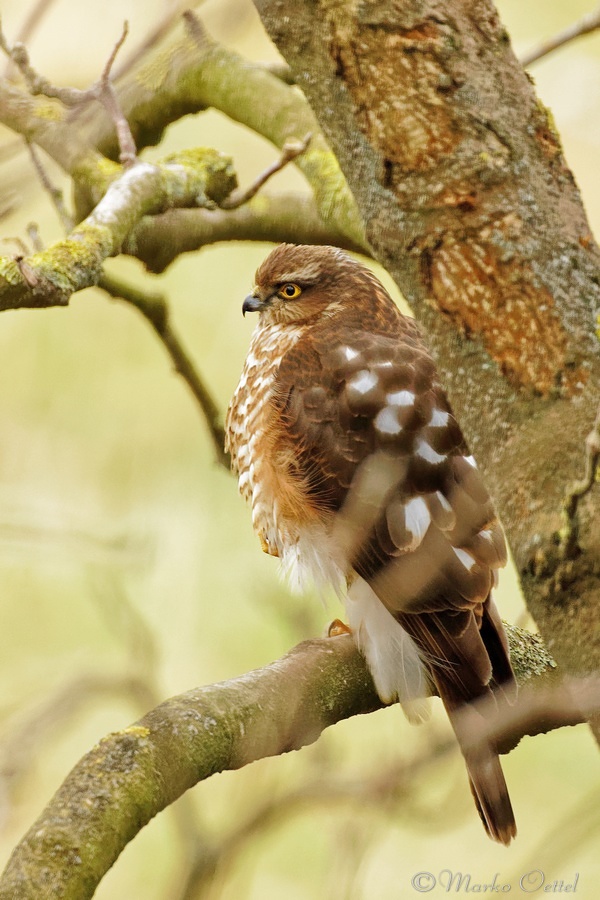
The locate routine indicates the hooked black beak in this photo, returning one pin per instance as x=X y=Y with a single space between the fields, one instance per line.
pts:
x=252 y=304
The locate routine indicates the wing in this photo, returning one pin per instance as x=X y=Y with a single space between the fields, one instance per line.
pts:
x=375 y=442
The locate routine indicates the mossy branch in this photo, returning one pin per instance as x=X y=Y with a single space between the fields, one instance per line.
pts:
x=187 y=76
x=277 y=218
x=135 y=773
x=202 y=177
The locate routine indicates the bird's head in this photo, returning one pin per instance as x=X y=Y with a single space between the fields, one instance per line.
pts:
x=298 y=283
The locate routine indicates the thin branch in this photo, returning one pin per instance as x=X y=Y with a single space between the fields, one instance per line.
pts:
x=586 y=25
x=108 y=96
x=281 y=70
x=155 y=309
x=577 y=491
x=102 y=91
x=537 y=710
x=195 y=27
x=193 y=79
x=22 y=248
x=35 y=16
x=33 y=234
x=53 y=192
x=291 y=150
x=38 y=84
x=189 y=78
x=384 y=791
x=22 y=741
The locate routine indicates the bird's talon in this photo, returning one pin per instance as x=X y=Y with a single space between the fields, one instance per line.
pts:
x=338 y=627
x=266 y=547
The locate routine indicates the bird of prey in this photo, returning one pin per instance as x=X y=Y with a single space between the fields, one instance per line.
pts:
x=359 y=477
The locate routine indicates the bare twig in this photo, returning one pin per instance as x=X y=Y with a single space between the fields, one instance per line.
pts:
x=195 y=27
x=102 y=91
x=108 y=96
x=22 y=247
x=22 y=741
x=35 y=16
x=33 y=233
x=587 y=24
x=54 y=193
x=69 y=265
x=384 y=791
x=36 y=83
x=126 y=624
x=564 y=838
x=291 y=150
x=570 y=534
x=155 y=309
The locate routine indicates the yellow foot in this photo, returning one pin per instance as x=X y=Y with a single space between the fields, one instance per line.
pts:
x=338 y=627
x=265 y=545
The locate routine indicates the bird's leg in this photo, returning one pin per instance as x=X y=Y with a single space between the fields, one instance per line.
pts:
x=266 y=546
x=337 y=627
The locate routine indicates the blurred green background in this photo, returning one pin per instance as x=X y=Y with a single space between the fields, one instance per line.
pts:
x=124 y=547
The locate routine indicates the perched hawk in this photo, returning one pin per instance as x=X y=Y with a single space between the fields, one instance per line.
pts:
x=359 y=477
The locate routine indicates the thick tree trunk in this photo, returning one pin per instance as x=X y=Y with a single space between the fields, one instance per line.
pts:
x=468 y=203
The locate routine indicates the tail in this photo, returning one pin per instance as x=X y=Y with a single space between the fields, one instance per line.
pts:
x=491 y=798
x=486 y=777
x=468 y=662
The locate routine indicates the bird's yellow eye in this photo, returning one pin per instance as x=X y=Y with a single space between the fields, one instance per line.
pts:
x=289 y=291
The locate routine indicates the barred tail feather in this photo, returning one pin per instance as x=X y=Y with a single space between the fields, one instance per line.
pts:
x=468 y=667
x=491 y=798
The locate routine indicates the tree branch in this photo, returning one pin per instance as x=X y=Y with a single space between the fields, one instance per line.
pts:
x=49 y=278
x=155 y=310
x=586 y=25
x=190 y=75
x=33 y=19
x=291 y=150
x=102 y=91
x=135 y=773
x=196 y=73
x=277 y=218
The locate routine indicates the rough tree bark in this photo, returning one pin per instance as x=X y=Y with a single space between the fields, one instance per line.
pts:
x=468 y=202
